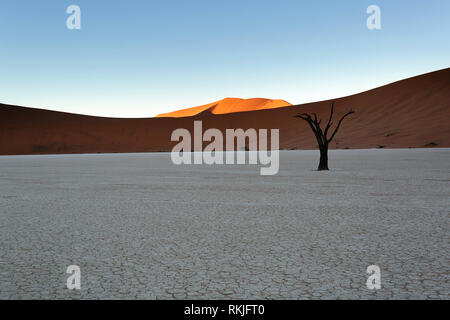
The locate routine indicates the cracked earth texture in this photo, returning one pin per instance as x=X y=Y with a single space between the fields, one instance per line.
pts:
x=140 y=227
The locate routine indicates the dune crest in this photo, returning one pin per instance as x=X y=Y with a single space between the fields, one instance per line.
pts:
x=228 y=105
x=413 y=112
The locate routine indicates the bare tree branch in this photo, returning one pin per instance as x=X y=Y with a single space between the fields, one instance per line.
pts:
x=315 y=120
x=339 y=124
x=308 y=119
x=329 y=120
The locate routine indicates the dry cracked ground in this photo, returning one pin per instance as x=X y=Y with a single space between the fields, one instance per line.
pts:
x=140 y=227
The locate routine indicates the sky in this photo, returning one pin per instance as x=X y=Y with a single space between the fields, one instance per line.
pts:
x=140 y=58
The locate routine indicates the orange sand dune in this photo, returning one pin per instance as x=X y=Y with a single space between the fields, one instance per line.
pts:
x=228 y=105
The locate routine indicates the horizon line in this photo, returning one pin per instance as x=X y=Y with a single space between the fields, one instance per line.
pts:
x=199 y=105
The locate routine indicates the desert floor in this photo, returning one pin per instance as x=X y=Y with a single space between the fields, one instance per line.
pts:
x=140 y=227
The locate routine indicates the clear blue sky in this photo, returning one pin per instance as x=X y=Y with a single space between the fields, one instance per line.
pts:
x=138 y=58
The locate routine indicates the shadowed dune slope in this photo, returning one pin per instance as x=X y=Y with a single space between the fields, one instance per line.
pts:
x=410 y=113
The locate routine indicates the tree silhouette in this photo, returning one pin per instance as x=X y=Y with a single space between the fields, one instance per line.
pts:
x=322 y=136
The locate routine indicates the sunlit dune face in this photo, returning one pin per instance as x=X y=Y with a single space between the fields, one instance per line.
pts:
x=229 y=105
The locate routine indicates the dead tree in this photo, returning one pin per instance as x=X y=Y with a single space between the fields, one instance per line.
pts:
x=322 y=136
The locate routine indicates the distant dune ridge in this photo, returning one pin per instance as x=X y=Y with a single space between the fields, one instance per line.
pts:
x=229 y=105
x=414 y=112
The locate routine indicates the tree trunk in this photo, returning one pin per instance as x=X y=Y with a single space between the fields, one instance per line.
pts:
x=323 y=163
